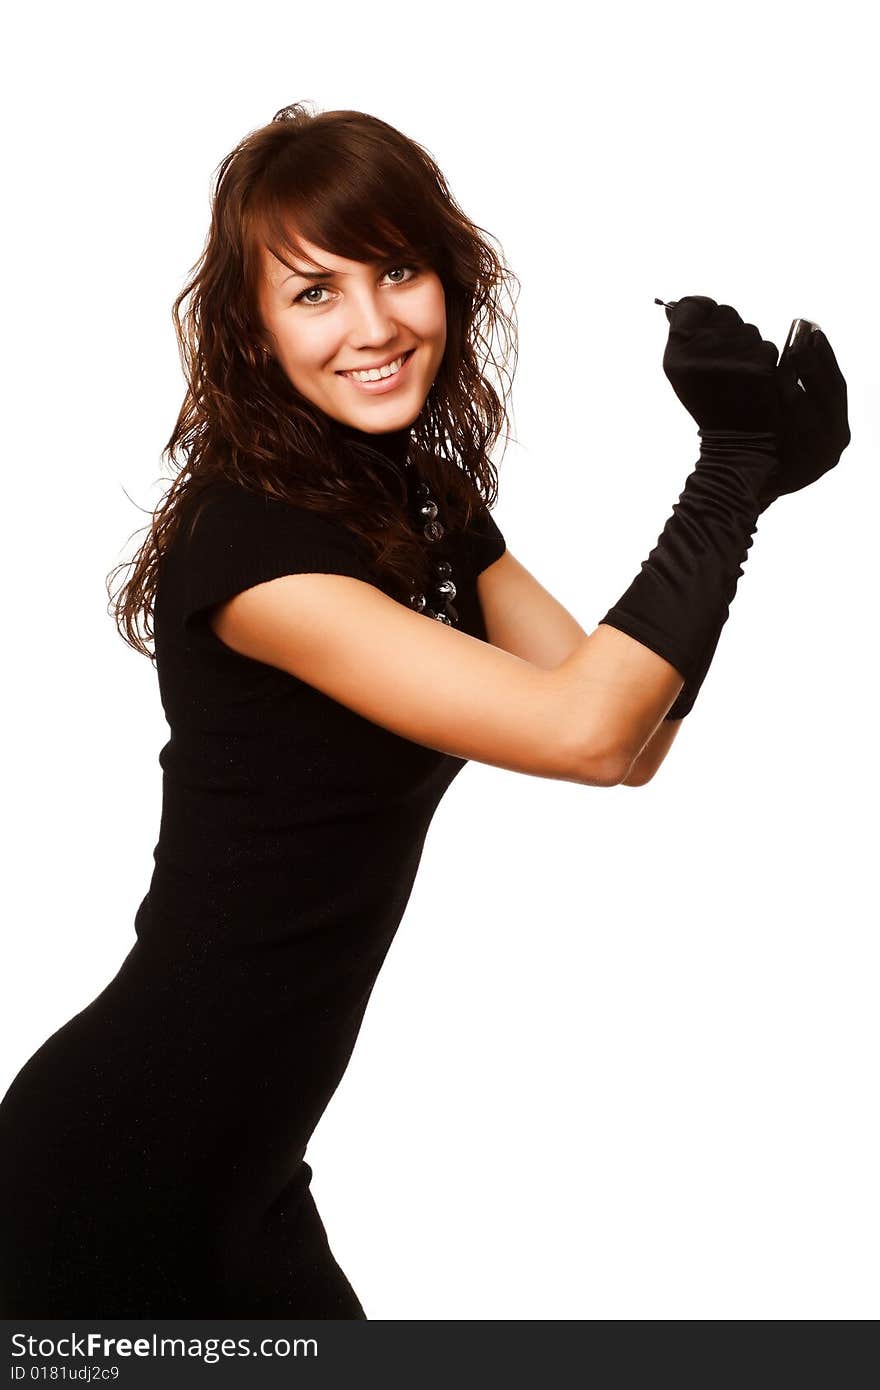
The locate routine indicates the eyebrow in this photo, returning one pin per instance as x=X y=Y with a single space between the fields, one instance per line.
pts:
x=333 y=274
x=311 y=275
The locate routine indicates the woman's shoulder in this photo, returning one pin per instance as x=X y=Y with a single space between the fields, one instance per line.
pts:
x=232 y=537
x=224 y=512
x=222 y=497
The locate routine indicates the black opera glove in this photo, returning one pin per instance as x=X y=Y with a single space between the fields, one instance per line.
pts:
x=813 y=434
x=814 y=421
x=724 y=374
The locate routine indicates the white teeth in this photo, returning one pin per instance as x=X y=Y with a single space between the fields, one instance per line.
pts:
x=378 y=373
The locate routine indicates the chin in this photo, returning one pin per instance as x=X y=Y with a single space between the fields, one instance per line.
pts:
x=388 y=415
x=393 y=421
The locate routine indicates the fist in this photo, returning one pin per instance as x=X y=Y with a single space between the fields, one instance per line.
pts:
x=721 y=369
x=815 y=421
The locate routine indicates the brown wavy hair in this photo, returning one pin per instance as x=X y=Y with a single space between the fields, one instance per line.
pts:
x=359 y=188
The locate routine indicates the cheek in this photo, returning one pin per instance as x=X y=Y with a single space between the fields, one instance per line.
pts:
x=429 y=318
x=307 y=343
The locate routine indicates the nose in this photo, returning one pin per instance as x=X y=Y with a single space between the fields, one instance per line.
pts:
x=371 y=324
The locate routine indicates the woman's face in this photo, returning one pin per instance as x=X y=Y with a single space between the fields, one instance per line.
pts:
x=351 y=317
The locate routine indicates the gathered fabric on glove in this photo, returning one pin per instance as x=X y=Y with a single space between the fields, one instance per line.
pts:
x=814 y=431
x=723 y=373
x=681 y=598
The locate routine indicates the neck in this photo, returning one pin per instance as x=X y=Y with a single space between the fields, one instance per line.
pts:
x=392 y=444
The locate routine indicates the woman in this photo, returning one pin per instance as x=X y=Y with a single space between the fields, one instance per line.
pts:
x=152 y=1151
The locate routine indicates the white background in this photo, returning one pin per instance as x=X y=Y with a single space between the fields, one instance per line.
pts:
x=621 y=1062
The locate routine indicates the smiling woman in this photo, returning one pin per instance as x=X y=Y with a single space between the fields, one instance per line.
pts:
x=153 y=1150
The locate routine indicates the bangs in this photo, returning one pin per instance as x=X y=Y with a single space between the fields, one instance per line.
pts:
x=363 y=214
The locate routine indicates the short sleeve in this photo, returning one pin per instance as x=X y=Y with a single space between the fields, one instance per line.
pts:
x=484 y=543
x=240 y=538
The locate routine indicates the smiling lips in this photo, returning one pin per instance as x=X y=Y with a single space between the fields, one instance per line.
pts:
x=380 y=372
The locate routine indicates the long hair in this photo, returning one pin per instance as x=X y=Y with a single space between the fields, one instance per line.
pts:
x=359 y=188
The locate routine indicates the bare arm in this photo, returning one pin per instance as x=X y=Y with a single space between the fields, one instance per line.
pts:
x=440 y=687
x=523 y=618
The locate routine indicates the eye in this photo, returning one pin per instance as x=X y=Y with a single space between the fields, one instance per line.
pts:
x=313 y=289
x=316 y=289
x=413 y=268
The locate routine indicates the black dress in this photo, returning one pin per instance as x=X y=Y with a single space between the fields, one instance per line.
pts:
x=152 y=1151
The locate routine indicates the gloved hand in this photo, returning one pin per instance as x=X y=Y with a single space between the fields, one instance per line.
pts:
x=724 y=374
x=814 y=422
x=720 y=368
x=814 y=432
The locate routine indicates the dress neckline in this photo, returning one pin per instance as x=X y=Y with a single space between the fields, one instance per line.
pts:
x=391 y=444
